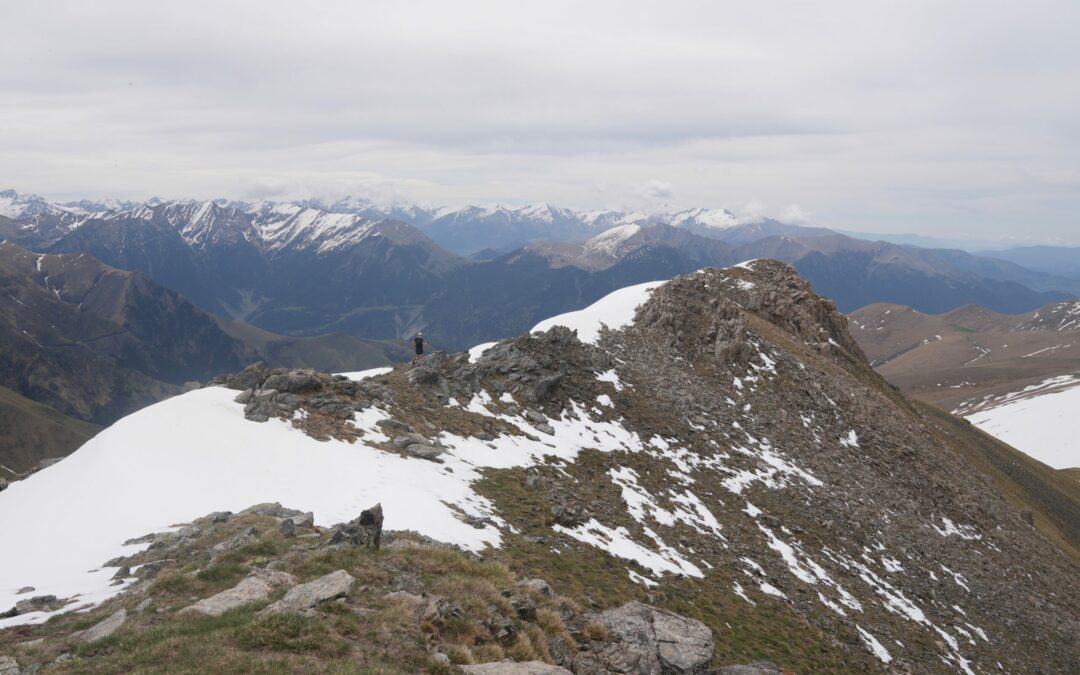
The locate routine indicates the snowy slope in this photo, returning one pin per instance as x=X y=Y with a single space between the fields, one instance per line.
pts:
x=1040 y=421
x=196 y=453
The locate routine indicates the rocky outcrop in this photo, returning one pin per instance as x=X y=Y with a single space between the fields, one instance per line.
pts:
x=648 y=641
x=305 y=596
x=257 y=586
x=364 y=531
x=8 y=666
x=103 y=629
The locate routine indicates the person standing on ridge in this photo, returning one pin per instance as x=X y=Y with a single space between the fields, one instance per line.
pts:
x=418 y=343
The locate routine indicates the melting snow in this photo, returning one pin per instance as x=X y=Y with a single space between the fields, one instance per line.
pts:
x=614 y=311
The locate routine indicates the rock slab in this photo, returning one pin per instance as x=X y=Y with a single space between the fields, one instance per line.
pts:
x=255 y=587
x=104 y=629
x=648 y=641
x=305 y=596
x=8 y=666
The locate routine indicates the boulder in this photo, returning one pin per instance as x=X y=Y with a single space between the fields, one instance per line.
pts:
x=3 y=484
x=648 y=641
x=538 y=586
x=274 y=510
x=293 y=381
x=405 y=440
x=8 y=666
x=254 y=587
x=516 y=668
x=365 y=530
x=288 y=528
x=423 y=451
x=260 y=405
x=392 y=426
x=38 y=603
x=305 y=596
x=249 y=378
x=104 y=629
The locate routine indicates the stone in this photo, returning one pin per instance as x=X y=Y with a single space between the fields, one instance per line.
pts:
x=3 y=484
x=515 y=668
x=249 y=378
x=306 y=596
x=218 y=517
x=25 y=589
x=423 y=451
x=39 y=603
x=538 y=586
x=104 y=629
x=141 y=607
x=288 y=528
x=272 y=509
x=123 y=573
x=305 y=520
x=244 y=397
x=257 y=586
x=293 y=382
x=8 y=666
x=649 y=641
x=405 y=440
x=394 y=426
x=261 y=405
x=365 y=530
x=248 y=535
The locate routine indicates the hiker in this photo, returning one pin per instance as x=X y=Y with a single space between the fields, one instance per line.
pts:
x=418 y=343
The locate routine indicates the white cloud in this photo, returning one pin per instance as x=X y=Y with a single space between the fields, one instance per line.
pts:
x=793 y=214
x=943 y=118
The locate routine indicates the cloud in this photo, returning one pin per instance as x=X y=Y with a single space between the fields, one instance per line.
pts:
x=922 y=115
x=793 y=214
x=656 y=190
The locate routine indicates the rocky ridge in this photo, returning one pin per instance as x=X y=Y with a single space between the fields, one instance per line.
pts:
x=728 y=456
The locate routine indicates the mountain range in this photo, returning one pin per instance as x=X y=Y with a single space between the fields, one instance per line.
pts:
x=351 y=266
x=95 y=342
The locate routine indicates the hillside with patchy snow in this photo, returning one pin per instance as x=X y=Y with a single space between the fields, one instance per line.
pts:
x=716 y=445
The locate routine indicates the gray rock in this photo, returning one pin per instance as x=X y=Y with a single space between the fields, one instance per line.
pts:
x=305 y=596
x=306 y=520
x=405 y=440
x=245 y=396
x=249 y=378
x=104 y=629
x=219 y=517
x=254 y=587
x=8 y=666
x=365 y=530
x=391 y=426
x=272 y=509
x=516 y=668
x=293 y=382
x=246 y=536
x=288 y=528
x=260 y=406
x=25 y=589
x=649 y=641
x=545 y=429
x=539 y=586
x=141 y=607
x=3 y=484
x=39 y=603
x=423 y=451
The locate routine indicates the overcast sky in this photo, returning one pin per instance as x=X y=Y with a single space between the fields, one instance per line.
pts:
x=949 y=118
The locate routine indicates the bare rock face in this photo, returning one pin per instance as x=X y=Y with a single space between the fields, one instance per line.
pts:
x=305 y=596
x=255 y=587
x=103 y=629
x=364 y=531
x=649 y=641
x=8 y=666
x=512 y=668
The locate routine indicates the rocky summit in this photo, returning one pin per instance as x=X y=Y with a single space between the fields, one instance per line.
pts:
x=698 y=476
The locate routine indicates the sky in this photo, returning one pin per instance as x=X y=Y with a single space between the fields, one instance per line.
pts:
x=949 y=119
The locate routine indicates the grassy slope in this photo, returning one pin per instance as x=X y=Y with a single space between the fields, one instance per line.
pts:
x=1050 y=495
x=32 y=431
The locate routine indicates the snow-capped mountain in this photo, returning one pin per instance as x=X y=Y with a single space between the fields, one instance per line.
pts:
x=715 y=443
